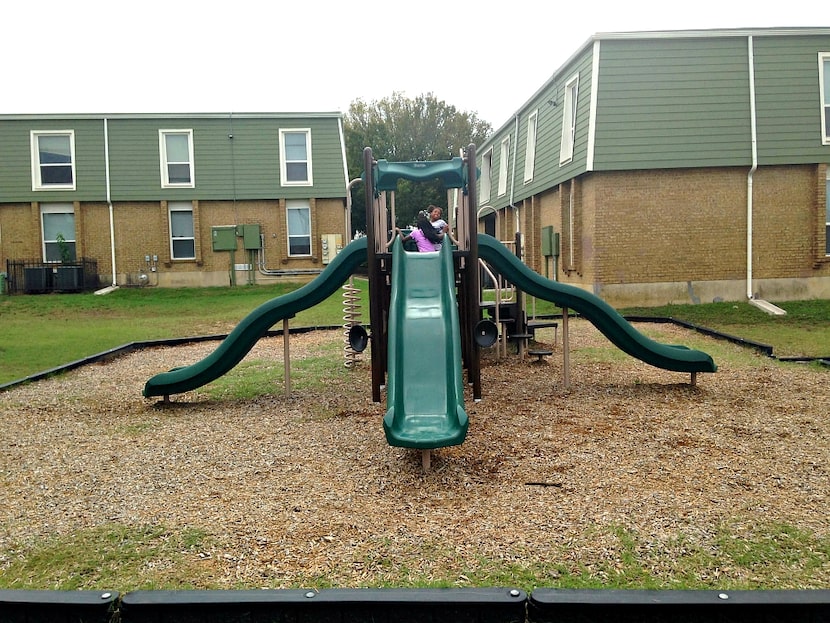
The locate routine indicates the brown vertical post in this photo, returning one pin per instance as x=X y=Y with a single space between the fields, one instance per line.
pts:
x=375 y=278
x=470 y=276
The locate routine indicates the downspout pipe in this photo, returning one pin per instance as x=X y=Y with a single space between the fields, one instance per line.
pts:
x=109 y=206
x=761 y=304
x=513 y=175
x=754 y=144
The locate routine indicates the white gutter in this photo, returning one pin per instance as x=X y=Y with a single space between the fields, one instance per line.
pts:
x=759 y=303
x=109 y=204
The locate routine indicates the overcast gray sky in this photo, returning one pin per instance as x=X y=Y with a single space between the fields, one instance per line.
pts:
x=91 y=56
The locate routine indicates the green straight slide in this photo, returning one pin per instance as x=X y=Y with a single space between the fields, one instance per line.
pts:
x=256 y=324
x=604 y=317
x=425 y=388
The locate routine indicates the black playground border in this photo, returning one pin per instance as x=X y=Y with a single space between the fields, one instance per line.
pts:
x=766 y=349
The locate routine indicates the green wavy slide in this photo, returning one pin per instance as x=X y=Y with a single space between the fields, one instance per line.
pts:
x=604 y=317
x=425 y=386
x=256 y=324
x=425 y=395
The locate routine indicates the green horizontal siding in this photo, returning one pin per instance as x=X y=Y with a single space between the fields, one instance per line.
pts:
x=548 y=102
x=667 y=103
x=677 y=102
x=788 y=100
x=16 y=159
x=245 y=167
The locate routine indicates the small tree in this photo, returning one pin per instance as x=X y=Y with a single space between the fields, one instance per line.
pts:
x=64 y=249
x=399 y=129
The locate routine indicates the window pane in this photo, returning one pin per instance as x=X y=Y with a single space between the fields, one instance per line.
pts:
x=299 y=222
x=299 y=246
x=177 y=148
x=55 y=175
x=181 y=224
x=178 y=173
x=827 y=215
x=54 y=252
x=296 y=171
x=183 y=249
x=58 y=223
x=827 y=200
x=54 y=150
x=295 y=146
x=826 y=83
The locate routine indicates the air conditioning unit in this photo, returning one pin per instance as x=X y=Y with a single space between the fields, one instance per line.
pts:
x=35 y=279
x=68 y=278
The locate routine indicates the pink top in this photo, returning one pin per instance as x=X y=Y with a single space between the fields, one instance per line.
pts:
x=424 y=244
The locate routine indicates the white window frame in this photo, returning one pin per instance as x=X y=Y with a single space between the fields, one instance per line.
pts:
x=285 y=162
x=504 y=161
x=181 y=206
x=165 y=162
x=530 y=147
x=486 y=172
x=37 y=176
x=824 y=90
x=827 y=215
x=566 y=148
x=297 y=204
x=57 y=208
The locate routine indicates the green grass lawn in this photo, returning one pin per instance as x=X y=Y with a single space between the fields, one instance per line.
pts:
x=40 y=332
x=803 y=332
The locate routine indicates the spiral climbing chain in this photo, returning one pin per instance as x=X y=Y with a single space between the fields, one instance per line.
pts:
x=351 y=317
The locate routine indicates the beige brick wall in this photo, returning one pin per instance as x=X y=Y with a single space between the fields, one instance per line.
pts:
x=19 y=232
x=142 y=229
x=652 y=237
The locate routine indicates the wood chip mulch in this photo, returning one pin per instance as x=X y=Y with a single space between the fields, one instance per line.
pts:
x=304 y=486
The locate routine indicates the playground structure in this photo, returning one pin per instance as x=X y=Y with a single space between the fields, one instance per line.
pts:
x=425 y=313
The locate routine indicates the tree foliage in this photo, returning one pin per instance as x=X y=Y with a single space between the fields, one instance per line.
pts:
x=399 y=129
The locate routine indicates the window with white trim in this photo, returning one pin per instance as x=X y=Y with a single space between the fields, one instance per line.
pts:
x=295 y=157
x=530 y=148
x=53 y=160
x=182 y=232
x=504 y=156
x=176 y=151
x=486 y=172
x=298 y=218
x=566 y=149
x=827 y=215
x=824 y=84
x=58 y=222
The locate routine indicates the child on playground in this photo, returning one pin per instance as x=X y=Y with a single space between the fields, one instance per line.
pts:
x=440 y=225
x=424 y=234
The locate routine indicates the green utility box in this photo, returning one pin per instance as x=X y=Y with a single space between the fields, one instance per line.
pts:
x=224 y=237
x=250 y=236
x=550 y=242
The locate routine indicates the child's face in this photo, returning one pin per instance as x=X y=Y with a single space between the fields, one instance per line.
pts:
x=435 y=214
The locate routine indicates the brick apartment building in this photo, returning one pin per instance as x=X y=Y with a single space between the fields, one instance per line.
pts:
x=673 y=167
x=169 y=200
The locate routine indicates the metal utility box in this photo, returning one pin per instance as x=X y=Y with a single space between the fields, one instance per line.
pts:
x=251 y=238
x=68 y=278
x=36 y=279
x=224 y=237
x=550 y=242
x=330 y=244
